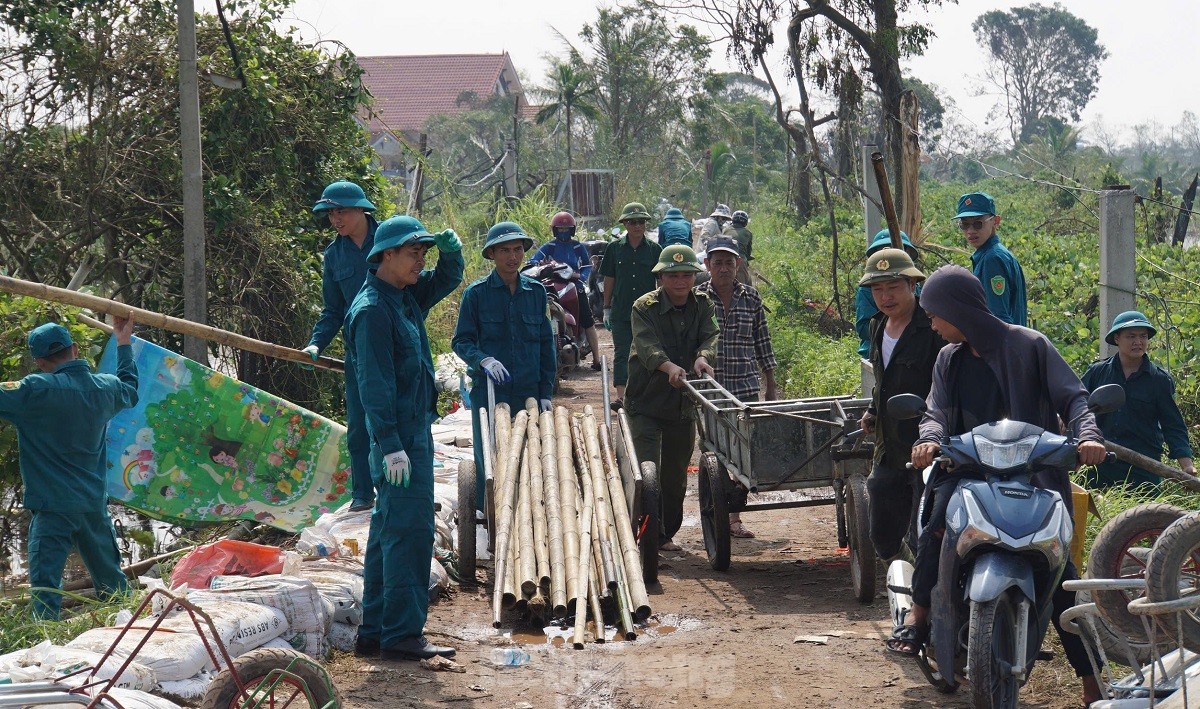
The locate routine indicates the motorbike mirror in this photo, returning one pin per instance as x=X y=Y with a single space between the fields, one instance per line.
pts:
x=1106 y=399
x=905 y=406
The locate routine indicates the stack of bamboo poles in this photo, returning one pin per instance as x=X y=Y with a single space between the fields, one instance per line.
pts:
x=564 y=541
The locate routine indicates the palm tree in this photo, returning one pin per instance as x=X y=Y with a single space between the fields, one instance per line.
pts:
x=572 y=91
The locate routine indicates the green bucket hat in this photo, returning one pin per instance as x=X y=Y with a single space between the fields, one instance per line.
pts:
x=1128 y=319
x=503 y=233
x=48 y=339
x=677 y=257
x=883 y=240
x=398 y=231
x=890 y=265
x=634 y=210
x=342 y=194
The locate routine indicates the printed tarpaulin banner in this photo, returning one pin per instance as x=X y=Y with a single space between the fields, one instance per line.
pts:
x=203 y=447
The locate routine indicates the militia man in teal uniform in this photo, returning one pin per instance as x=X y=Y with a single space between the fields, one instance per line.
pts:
x=62 y=415
x=992 y=263
x=626 y=268
x=385 y=328
x=1150 y=416
x=674 y=331
x=504 y=334
x=342 y=274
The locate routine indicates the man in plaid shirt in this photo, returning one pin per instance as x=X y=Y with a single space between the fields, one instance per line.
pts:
x=744 y=348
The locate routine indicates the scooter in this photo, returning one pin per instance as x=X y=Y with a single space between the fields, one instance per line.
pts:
x=595 y=282
x=559 y=280
x=1002 y=556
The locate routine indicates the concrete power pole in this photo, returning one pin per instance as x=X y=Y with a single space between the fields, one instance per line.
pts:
x=872 y=217
x=195 y=283
x=1118 y=280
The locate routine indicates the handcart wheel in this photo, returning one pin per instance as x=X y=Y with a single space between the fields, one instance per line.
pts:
x=273 y=677
x=714 y=511
x=652 y=519
x=1174 y=572
x=466 y=522
x=862 y=551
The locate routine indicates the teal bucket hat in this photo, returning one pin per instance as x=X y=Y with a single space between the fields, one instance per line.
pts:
x=48 y=339
x=975 y=204
x=398 y=231
x=504 y=232
x=883 y=240
x=342 y=194
x=1128 y=319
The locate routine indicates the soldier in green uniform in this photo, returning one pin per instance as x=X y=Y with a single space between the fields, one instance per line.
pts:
x=627 y=271
x=674 y=331
x=385 y=326
x=62 y=414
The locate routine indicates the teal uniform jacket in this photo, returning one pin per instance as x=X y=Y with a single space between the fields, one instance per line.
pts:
x=394 y=370
x=1003 y=281
x=62 y=420
x=514 y=328
x=1149 y=418
x=342 y=276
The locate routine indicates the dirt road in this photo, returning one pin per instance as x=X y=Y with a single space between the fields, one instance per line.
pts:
x=715 y=639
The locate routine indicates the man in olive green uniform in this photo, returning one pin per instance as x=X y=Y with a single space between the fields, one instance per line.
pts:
x=626 y=269
x=674 y=331
x=61 y=413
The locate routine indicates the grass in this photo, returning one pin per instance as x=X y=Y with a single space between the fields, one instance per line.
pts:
x=20 y=630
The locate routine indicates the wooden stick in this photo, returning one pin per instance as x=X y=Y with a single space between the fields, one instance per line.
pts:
x=42 y=291
x=1153 y=466
x=554 y=510
x=885 y=196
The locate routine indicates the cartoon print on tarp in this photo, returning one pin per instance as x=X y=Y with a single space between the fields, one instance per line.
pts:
x=204 y=447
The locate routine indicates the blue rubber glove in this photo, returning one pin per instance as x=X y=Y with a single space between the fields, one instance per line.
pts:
x=396 y=468
x=543 y=405
x=608 y=318
x=496 y=371
x=447 y=241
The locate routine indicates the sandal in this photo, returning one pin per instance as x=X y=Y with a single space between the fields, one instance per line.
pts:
x=907 y=635
x=737 y=529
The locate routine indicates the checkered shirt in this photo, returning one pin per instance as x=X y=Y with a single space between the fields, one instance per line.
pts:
x=745 y=344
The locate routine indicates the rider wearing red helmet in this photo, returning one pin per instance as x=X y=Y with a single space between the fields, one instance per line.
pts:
x=565 y=249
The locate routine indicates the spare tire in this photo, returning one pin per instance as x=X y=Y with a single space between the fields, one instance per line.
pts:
x=1174 y=572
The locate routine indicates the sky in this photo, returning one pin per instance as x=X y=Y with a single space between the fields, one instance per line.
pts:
x=1150 y=74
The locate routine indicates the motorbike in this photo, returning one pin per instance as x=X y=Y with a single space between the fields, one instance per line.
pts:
x=559 y=280
x=1005 y=547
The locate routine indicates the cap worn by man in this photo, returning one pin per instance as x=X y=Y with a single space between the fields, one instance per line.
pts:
x=395 y=232
x=633 y=210
x=721 y=212
x=976 y=204
x=342 y=195
x=49 y=339
x=675 y=258
x=883 y=240
x=723 y=243
x=503 y=233
x=890 y=265
x=1128 y=319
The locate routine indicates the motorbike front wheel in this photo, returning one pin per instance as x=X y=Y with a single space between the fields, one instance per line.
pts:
x=991 y=651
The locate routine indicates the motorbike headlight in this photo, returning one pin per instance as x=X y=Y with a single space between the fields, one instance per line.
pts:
x=1001 y=456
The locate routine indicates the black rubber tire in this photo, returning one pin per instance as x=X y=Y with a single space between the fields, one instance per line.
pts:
x=1138 y=526
x=714 y=511
x=651 y=513
x=254 y=667
x=466 y=522
x=858 y=529
x=991 y=648
x=1174 y=572
x=1109 y=639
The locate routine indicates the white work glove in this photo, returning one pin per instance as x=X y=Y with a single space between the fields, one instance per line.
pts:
x=396 y=468
x=312 y=351
x=495 y=370
x=543 y=405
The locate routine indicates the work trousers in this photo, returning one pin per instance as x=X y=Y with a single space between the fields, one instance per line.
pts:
x=894 y=498
x=400 y=546
x=358 y=439
x=925 y=569
x=622 y=335
x=669 y=445
x=51 y=538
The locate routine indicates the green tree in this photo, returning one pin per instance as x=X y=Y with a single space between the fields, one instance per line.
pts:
x=571 y=91
x=1045 y=59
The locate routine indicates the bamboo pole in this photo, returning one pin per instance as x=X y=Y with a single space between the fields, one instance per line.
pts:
x=554 y=510
x=624 y=617
x=537 y=501
x=504 y=510
x=586 y=482
x=1149 y=464
x=585 y=565
x=512 y=588
x=591 y=439
x=568 y=490
x=597 y=611
x=527 y=571
x=42 y=291
x=627 y=544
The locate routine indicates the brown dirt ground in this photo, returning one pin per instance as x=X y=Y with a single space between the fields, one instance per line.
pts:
x=715 y=639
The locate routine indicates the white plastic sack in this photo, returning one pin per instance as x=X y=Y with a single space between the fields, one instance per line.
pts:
x=187 y=691
x=128 y=698
x=439 y=580
x=170 y=654
x=296 y=597
x=55 y=662
x=346 y=609
x=342 y=637
x=311 y=644
x=241 y=626
x=333 y=572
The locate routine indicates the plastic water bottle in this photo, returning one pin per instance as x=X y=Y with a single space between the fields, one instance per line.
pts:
x=509 y=657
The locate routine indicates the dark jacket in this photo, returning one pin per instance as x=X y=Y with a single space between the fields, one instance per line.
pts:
x=1038 y=386
x=909 y=372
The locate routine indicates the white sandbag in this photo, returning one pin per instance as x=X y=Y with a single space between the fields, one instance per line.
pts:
x=56 y=662
x=335 y=572
x=279 y=643
x=170 y=654
x=297 y=597
x=186 y=691
x=345 y=608
x=311 y=644
x=128 y=698
x=342 y=636
x=439 y=580
x=241 y=625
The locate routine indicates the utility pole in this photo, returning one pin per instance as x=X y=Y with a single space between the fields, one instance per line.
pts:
x=872 y=217
x=1118 y=279
x=195 y=283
